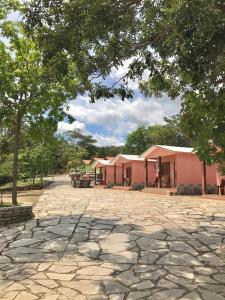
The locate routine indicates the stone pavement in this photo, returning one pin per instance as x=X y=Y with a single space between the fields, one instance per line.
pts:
x=105 y=244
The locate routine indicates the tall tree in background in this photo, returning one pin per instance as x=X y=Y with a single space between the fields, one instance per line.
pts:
x=85 y=141
x=178 y=44
x=169 y=134
x=28 y=90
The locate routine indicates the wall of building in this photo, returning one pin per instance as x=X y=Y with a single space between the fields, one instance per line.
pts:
x=189 y=170
x=110 y=174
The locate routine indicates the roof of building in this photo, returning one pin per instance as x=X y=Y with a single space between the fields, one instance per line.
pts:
x=122 y=158
x=100 y=163
x=87 y=161
x=167 y=149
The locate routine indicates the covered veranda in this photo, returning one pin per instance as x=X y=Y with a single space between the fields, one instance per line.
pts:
x=100 y=171
x=179 y=168
x=135 y=170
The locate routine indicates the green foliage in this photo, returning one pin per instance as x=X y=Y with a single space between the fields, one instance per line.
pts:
x=179 y=44
x=109 y=185
x=144 y=137
x=138 y=186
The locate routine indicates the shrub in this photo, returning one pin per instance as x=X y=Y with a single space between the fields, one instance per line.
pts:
x=138 y=186
x=109 y=185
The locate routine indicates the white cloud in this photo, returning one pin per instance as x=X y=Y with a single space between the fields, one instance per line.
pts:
x=65 y=127
x=108 y=140
x=110 y=121
x=118 y=117
x=118 y=73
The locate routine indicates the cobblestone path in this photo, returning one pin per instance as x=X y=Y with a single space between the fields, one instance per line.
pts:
x=105 y=244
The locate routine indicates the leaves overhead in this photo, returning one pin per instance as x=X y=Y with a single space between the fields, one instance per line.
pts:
x=173 y=46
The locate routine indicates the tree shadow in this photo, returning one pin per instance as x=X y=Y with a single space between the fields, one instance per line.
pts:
x=77 y=255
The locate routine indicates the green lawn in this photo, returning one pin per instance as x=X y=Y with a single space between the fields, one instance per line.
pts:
x=21 y=183
x=24 y=197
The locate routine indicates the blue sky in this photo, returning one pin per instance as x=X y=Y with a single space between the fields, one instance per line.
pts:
x=110 y=121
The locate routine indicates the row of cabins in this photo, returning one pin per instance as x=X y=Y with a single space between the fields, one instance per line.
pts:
x=175 y=168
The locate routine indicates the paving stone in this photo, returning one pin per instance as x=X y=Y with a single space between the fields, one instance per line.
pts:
x=220 y=277
x=181 y=281
x=5 y=283
x=182 y=271
x=57 y=276
x=16 y=287
x=67 y=292
x=151 y=244
x=62 y=269
x=51 y=284
x=39 y=257
x=49 y=222
x=205 y=279
x=4 y=259
x=108 y=247
x=155 y=275
x=85 y=287
x=143 y=285
x=141 y=246
x=90 y=249
x=38 y=289
x=166 y=284
x=40 y=275
x=51 y=297
x=138 y=295
x=207 y=295
x=99 y=234
x=9 y=295
x=94 y=271
x=127 y=278
x=172 y=294
x=43 y=266
x=56 y=245
x=205 y=270
x=114 y=287
x=116 y=297
x=148 y=257
x=62 y=229
x=24 y=242
x=178 y=258
x=191 y=296
x=211 y=259
x=182 y=247
x=26 y=296
x=125 y=257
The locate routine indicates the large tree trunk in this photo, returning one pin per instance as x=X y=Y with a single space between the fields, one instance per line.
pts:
x=16 y=133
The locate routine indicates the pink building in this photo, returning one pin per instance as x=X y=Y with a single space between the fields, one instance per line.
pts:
x=107 y=172
x=134 y=169
x=180 y=168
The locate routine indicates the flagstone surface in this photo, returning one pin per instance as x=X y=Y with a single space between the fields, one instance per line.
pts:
x=93 y=244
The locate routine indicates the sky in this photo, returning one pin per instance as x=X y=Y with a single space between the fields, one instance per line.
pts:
x=109 y=122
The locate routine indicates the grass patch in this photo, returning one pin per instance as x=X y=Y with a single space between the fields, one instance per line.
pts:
x=23 y=197
x=5 y=204
x=21 y=183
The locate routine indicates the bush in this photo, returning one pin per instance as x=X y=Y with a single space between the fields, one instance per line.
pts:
x=4 y=179
x=138 y=186
x=109 y=185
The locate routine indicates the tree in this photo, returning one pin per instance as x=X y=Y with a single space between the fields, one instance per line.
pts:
x=28 y=91
x=84 y=141
x=178 y=43
x=144 y=137
x=137 y=141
